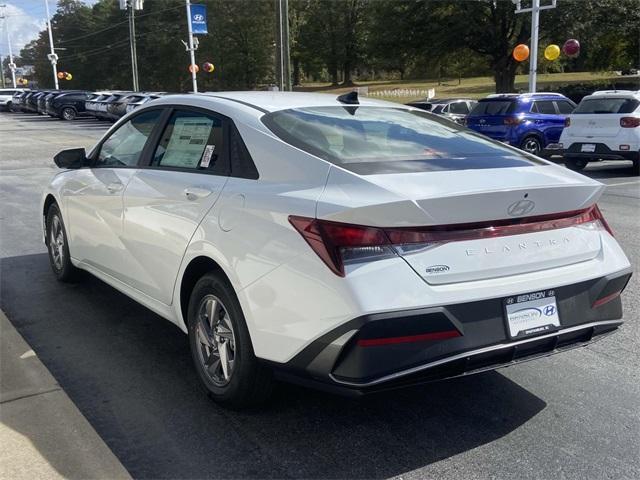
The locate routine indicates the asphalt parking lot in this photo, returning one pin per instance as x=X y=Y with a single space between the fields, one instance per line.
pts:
x=575 y=415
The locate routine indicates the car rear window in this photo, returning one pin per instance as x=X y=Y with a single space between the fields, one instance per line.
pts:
x=376 y=140
x=494 y=107
x=607 y=105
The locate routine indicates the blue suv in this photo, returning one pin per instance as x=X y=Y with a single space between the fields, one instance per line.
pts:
x=529 y=121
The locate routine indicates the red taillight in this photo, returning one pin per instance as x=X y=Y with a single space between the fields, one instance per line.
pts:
x=630 y=122
x=339 y=243
x=512 y=121
x=567 y=122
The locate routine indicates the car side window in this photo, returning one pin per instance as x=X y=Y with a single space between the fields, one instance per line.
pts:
x=124 y=147
x=544 y=106
x=564 y=107
x=191 y=140
x=459 y=107
x=242 y=165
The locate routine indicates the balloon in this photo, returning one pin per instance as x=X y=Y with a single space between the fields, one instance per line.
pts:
x=521 y=52
x=61 y=75
x=552 y=52
x=68 y=76
x=194 y=66
x=208 y=67
x=571 y=48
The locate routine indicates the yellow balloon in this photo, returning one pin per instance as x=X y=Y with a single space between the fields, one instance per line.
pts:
x=552 y=52
x=68 y=77
x=521 y=52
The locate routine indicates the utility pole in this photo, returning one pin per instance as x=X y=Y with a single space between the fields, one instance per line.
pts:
x=2 y=71
x=132 y=41
x=192 y=49
x=282 y=46
x=12 y=66
x=535 y=31
x=53 y=58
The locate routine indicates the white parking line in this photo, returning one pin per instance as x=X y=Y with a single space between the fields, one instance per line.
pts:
x=622 y=183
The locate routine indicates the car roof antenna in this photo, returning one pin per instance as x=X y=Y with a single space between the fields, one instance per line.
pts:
x=350 y=98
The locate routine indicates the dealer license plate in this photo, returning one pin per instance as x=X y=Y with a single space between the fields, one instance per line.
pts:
x=531 y=314
x=588 y=147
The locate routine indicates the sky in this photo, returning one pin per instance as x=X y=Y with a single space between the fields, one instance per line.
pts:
x=24 y=19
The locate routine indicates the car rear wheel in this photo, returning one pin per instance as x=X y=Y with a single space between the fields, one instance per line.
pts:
x=531 y=145
x=575 y=164
x=68 y=113
x=636 y=167
x=58 y=246
x=221 y=346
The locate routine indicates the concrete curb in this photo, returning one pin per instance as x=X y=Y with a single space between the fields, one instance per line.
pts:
x=42 y=432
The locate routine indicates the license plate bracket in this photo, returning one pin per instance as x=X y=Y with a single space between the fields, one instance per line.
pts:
x=531 y=314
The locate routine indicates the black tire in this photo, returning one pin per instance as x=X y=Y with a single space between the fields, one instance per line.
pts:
x=531 y=144
x=575 y=164
x=250 y=382
x=68 y=113
x=636 y=168
x=58 y=246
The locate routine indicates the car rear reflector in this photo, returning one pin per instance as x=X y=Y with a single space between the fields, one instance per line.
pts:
x=512 y=121
x=338 y=243
x=630 y=122
x=601 y=301
x=423 y=337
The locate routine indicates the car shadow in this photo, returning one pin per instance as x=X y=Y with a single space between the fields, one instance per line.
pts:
x=130 y=373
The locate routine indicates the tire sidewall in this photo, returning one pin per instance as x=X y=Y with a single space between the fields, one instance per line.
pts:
x=211 y=284
x=67 y=269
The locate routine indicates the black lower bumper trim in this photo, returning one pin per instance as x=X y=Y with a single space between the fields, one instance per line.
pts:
x=342 y=358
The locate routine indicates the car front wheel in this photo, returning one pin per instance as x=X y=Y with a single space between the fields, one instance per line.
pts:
x=58 y=246
x=221 y=346
x=577 y=165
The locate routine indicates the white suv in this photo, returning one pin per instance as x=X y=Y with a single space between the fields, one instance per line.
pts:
x=604 y=126
x=6 y=97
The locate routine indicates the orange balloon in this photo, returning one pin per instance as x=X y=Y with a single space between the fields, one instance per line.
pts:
x=194 y=66
x=521 y=52
x=61 y=75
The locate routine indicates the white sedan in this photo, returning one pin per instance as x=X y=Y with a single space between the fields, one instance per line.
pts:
x=348 y=244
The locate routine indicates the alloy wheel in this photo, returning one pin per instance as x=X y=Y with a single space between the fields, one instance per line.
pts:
x=531 y=145
x=215 y=340
x=68 y=114
x=56 y=242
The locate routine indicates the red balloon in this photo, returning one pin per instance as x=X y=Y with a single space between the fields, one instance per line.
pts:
x=571 y=48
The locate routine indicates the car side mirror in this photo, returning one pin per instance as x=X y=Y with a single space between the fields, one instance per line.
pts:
x=71 y=158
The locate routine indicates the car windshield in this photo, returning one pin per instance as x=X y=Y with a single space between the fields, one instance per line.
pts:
x=607 y=105
x=494 y=107
x=371 y=140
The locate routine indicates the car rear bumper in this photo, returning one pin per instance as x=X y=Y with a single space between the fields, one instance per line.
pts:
x=350 y=359
x=602 y=152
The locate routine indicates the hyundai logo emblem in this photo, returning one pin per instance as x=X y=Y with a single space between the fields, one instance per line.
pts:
x=549 y=310
x=521 y=207
x=198 y=17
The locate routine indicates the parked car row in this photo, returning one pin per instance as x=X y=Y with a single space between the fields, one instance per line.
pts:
x=604 y=126
x=70 y=104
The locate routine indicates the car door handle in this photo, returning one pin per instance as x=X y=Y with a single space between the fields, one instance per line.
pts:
x=193 y=193
x=115 y=187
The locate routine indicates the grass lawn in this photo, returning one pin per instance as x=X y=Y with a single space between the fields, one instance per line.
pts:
x=475 y=87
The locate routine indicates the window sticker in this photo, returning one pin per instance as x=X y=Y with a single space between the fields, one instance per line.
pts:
x=188 y=141
x=206 y=156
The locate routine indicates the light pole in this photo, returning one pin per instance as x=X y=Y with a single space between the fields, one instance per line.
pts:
x=191 y=48
x=12 y=66
x=535 y=31
x=284 y=69
x=53 y=57
x=132 y=41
